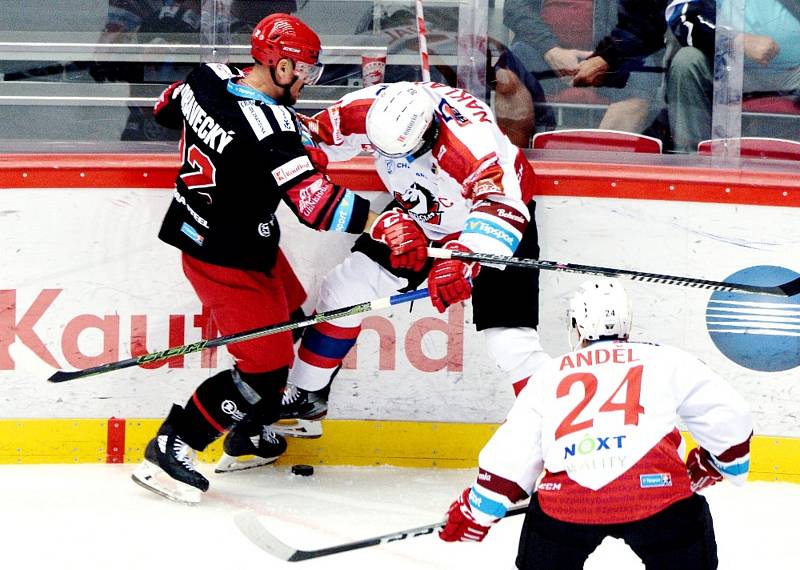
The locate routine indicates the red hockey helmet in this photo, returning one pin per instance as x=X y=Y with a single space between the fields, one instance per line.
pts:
x=280 y=36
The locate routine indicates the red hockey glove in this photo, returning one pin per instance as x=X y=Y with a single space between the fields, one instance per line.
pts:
x=404 y=237
x=449 y=281
x=461 y=525
x=318 y=158
x=166 y=95
x=702 y=472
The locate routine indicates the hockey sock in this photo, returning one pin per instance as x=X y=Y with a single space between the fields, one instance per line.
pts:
x=298 y=315
x=321 y=352
x=226 y=398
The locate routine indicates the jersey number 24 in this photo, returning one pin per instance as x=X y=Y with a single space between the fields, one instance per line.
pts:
x=630 y=406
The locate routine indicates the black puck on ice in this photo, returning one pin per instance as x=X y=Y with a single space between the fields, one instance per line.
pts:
x=303 y=470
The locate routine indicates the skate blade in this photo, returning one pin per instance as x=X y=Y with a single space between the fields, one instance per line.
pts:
x=153 y=478
x=229 y=463
x=303 y=429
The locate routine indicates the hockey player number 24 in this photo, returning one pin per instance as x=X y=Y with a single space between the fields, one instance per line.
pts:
x=633 y=388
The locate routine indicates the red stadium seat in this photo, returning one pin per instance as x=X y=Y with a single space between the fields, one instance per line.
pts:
x=772 y=104
x=596 y=139
x=759 y=147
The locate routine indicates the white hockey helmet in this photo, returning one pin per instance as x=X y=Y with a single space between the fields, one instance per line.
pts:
x=600 y=308
x=399 y=120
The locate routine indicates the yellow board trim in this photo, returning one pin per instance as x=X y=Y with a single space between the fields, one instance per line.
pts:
x=53 y=441
x=346 y=442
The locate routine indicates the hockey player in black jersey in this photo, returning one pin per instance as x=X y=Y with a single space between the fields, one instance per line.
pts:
x=242 y=154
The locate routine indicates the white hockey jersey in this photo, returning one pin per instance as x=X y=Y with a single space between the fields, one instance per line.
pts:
x=474 y=182
x=601 y=424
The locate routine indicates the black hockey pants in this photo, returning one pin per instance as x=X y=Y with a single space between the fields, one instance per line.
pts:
x=681 y=537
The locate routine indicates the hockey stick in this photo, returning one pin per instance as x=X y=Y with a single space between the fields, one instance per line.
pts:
x=788 y=289
x=251 y=527
x=423 y=43
x=333 y=314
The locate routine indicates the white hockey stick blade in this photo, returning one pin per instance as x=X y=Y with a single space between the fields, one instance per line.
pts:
x=251 y=527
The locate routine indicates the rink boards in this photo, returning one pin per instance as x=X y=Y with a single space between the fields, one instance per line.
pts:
x=86 y=281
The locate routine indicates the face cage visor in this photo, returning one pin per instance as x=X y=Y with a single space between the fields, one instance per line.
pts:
x=308 y=73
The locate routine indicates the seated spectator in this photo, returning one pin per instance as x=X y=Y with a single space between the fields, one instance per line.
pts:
x=554 y=39
x=771 y=51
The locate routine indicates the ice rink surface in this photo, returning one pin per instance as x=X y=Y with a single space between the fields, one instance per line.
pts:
x=94 y=517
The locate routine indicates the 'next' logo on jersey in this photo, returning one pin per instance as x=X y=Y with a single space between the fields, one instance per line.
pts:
x=757 y=332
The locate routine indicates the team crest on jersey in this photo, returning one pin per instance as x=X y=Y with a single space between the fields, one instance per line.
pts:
x=420 y=203
x=450 y=113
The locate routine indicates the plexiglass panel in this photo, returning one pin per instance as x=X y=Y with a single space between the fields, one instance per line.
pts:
x=682 y=71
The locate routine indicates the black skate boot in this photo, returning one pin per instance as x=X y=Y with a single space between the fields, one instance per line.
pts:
x=250 y=445
x=301 y=412
x=168 y=468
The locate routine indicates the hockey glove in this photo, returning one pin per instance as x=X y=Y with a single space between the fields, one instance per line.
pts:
x=318 y=158
x=404 y=237
x=702 y=472
x=461 y=525
x=450 y=280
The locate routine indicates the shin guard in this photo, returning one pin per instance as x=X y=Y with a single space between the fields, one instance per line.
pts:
x=227 y=398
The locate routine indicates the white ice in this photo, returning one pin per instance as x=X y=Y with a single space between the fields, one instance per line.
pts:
x=94 y=517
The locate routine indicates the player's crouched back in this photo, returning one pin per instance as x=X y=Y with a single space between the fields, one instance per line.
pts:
x=599 y=427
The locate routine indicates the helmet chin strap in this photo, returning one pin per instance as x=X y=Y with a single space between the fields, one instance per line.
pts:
x=284 y=98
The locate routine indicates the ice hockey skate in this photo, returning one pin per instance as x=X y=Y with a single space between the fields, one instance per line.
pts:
x=169 y=469
x=302 y=412
x=249 y=445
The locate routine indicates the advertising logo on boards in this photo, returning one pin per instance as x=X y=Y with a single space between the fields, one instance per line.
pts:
x=756 y=331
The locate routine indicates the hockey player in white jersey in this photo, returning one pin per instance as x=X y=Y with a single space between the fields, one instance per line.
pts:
x=457 y=182
x=599 y=427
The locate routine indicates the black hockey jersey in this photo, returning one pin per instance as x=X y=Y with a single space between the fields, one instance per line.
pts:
x=242 y=154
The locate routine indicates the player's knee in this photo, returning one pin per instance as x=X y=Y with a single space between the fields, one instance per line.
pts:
x=350 y=282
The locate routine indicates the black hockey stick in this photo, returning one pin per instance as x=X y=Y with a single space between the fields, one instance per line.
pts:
x=165 y=354
x=788 y=289
x=251 y=527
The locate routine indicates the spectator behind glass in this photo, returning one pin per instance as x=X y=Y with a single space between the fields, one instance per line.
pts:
x=514 y=109
x=772 y=61
x=156 y=21
x=554 y=39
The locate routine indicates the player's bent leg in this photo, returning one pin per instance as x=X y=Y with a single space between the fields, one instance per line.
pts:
x=169 y=467
x=251 y=441
x=356 y=280
x=217 y=404
x=323 y=347
x=517 y=352
x=680 y=536
x=549 y=544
